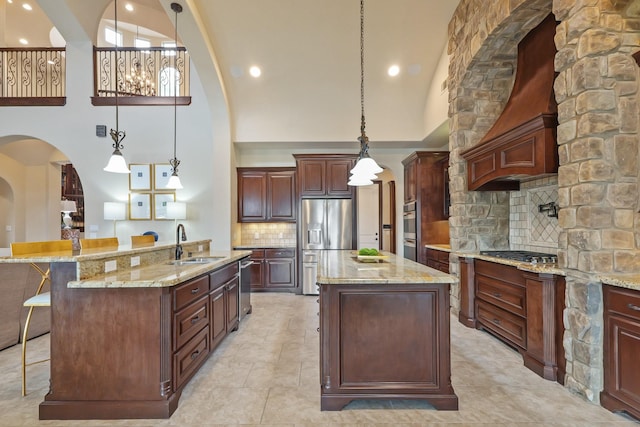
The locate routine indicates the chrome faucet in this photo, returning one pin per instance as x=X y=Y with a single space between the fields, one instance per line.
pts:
x=178 y=245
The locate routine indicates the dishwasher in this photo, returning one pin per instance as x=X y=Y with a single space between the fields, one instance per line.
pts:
x=310 y=273
x=245 y=287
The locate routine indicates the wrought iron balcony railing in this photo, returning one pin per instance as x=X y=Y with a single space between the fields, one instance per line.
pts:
x=141 y=76
x=33 y=76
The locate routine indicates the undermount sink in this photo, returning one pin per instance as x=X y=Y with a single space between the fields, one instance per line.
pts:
x=198 y=260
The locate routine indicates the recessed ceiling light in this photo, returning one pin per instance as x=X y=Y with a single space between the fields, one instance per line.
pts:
x=23 y=41
x=255 y=71
x=26 y=6
x=129 y=7
x=393 y=71
x=9 y=1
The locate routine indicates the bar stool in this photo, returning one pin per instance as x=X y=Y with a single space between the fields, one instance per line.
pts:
x=40 y=299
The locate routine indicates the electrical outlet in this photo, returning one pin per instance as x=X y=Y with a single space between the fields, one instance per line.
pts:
x=110 y=266
x=281 y=235
x=135 y=261
x=200 y=248
x=256 y=235
x=8 y=228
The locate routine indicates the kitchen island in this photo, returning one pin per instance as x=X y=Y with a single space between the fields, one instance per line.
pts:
x=384 y=331
x=130 y=327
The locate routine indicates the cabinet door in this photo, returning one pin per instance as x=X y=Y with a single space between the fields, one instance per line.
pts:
x=410 y=192
x=252 y=196
x=280 y=273
x=311 y=174
x=218 y=317
x=232 y=297
x=621 y=374
x=338 y=172
x=257 y=269
x=281 y=200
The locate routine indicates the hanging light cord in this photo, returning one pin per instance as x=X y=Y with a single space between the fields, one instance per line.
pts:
x=175 y=162
x=364 y=140
x=116 y=134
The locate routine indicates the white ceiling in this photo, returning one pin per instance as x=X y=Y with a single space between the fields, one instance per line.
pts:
x=309 y=53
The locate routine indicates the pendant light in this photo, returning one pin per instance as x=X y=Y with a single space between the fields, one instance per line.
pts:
x=117 y=163
x=365 y=170
x=174 y=180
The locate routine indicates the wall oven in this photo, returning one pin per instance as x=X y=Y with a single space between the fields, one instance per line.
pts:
x=410 y=226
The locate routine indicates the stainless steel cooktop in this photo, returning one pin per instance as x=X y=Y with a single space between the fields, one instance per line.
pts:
x=524 y=256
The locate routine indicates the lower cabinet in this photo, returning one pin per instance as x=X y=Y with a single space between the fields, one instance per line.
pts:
x=523 y=309
x=437 y=259
x=621 y=390
x=273 y=269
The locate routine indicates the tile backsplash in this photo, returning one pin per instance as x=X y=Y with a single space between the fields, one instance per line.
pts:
x=529 y=229
x=261 y=234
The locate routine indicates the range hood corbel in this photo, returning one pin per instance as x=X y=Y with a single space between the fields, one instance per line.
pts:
x=522 y=142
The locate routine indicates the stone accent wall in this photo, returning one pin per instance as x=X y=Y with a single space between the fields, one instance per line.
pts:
x=598 y=178
x=596 y=90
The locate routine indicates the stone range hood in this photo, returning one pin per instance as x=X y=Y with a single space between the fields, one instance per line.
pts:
x=522 y=142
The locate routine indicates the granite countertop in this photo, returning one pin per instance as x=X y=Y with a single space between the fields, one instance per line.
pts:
x=160 y=275
x=342 y=267
x=546 y=268
x=95 y=253
x=271 y=246
x=622 y=280
x=439 y=246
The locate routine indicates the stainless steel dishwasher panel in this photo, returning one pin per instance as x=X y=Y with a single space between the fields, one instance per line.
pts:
x=309 y=273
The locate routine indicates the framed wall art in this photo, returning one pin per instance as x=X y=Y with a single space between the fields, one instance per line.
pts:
x=160 y=204
x=139 y=206
x=161 y=173
x=140 y=177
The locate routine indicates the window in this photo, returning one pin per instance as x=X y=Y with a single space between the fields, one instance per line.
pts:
x=141 y=43
x=111 y=36
x=169 y=45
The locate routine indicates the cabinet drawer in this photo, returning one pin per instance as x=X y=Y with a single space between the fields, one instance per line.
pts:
x=505 y=295
x=257 y=254
x=622 y=301
x=190 y=291
x=187 y=360
x=280 y=253
x=223 y=275
x=510 y=327
x=189 y=321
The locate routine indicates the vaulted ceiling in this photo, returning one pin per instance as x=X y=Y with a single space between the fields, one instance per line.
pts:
x=308 y=51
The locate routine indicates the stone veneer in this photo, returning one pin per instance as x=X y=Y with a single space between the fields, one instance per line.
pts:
x=596 y=90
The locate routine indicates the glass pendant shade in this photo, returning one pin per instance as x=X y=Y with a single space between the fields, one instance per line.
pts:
x=174 y=182
x=367 y=166
x=360 y=180
x=117 y=163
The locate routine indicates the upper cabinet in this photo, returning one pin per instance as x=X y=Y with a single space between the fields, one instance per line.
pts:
x=322 y=175
x=266 y=194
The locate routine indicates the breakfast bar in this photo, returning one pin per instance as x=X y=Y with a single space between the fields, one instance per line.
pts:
x=384 y=331
x=131 y=326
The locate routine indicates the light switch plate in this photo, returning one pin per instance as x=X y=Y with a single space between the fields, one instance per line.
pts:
x=135 y=261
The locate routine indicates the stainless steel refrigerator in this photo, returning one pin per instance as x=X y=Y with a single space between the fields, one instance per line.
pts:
x=325 y=224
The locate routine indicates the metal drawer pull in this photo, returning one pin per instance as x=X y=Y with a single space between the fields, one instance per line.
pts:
x=195 y=290
x=195 y=354
x=496 y=321
x=497 y=294
x=195 y=319
x=633 y=307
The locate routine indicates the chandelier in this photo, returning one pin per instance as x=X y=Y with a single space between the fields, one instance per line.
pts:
x=365 y=170
x=137 y=83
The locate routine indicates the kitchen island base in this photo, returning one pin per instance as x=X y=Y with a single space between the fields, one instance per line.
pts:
x=385 y=341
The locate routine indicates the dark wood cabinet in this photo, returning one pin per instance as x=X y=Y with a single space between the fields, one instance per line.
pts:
x=218 y=317
x=273 y=269
x=523 y=309
x=385 y=342
x=227 y=281
x=621 y=390
x=322 y=175
x=437 y=259
x=266 y=195
x=424 y=185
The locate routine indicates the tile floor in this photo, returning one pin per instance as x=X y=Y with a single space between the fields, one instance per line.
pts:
x=267 y=374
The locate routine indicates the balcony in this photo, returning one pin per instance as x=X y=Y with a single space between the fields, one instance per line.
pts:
x=145 y=76
x=32 y=77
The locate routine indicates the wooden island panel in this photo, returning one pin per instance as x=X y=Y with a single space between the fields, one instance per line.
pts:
x=384 y=332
